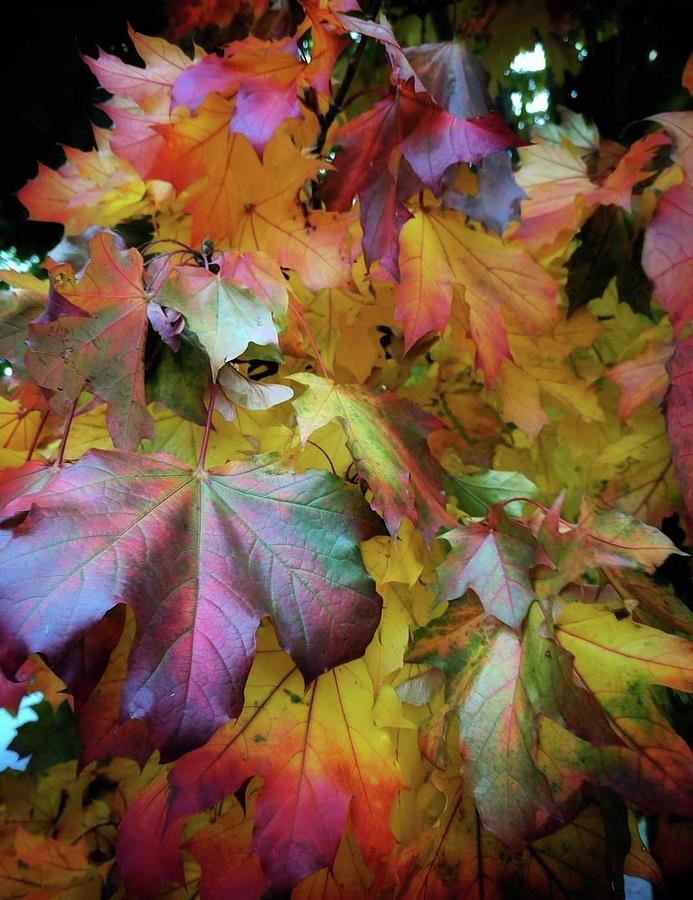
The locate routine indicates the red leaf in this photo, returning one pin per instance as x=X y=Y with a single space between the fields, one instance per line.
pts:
x=494 y=559
x=148 y=865
x=103 y=352
x=322 y=759
x=201 y=558
x=667 y=255
x=406 y=126
x=680 y=417
x=268 y=76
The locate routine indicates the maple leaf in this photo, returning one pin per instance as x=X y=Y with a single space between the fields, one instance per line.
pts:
x=249 y=204
x=458 y=854
x=228 y=837
x=457 y=81
x=418 y=142
x=561 y=193
x=496 y=736
x=668 y=252
x=224 y=316
x=135 y=855
x=101 y=731
x=497 y=684
x=421 y=129
x=93 y=187
x=322 y=760
x=17 y=309
x=149 y=86
x=269 y=79
x=642 y=378
x=44 y=867
x=18 y=426
x=198 y=606
x=657 y=606
x=610 y=650
x=386 y=437
x=104 y=351
x=600 y=538
x=493 y=558
x=438 y=252
x=680 y=416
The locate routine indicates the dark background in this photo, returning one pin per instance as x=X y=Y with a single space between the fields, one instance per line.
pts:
x=49 y=94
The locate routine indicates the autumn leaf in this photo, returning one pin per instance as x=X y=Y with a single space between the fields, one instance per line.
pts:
x=439 y=251
x=419 y=141
x=601 y=537
x=16 y=311
x=103 y=352
x=228 y=837
x=224 y=316
x=147 y=85
x=458 y=854
x=680 y=418
x=477 y=491
x=269 y=79
x=252 y=205
x=94 y=187
x=44 y=867
x=494 y=558
x=202 y=597
x=321 y=758
x=668 y=250
x=642 y=378
x=135 y=855
x=395 y=462
x=619 y=661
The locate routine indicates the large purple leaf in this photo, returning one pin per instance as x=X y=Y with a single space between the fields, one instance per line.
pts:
x=201 y=557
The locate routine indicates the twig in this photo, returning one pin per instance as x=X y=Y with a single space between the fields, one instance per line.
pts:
x=66 y=432
x=208 y=428
x=34 y=443
x=295 y=309
x=335 y=107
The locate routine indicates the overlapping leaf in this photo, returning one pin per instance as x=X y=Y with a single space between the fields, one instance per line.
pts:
x=253 y=205
x=439 y=251
x=224 y=316
x=201 y=559
x=494 y=558
x=102 y=352
x=394 y=462
x=321 y=758
x=619 y=661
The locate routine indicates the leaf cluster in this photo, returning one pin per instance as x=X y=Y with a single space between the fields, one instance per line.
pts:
x=329 y=515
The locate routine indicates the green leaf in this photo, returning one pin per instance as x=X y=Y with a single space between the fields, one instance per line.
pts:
x=53 y=738
x=180 y=380
x=480 y=490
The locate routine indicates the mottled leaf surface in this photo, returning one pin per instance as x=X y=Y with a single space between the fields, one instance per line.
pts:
x=201 y=558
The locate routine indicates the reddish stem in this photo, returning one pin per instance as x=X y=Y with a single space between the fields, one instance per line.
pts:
x=295 y=309
x=208 y=428
x=523 y=500
x=34 y=443
x=66 y=433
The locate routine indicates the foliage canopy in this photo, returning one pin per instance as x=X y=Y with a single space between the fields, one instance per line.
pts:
x=330 y=511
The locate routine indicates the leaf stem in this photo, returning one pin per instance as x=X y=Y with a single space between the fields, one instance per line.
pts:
x=296 y=310
x=34 y=443
x=66 y=433
x=324 y=453
x=208 y=427
x=335 y=107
